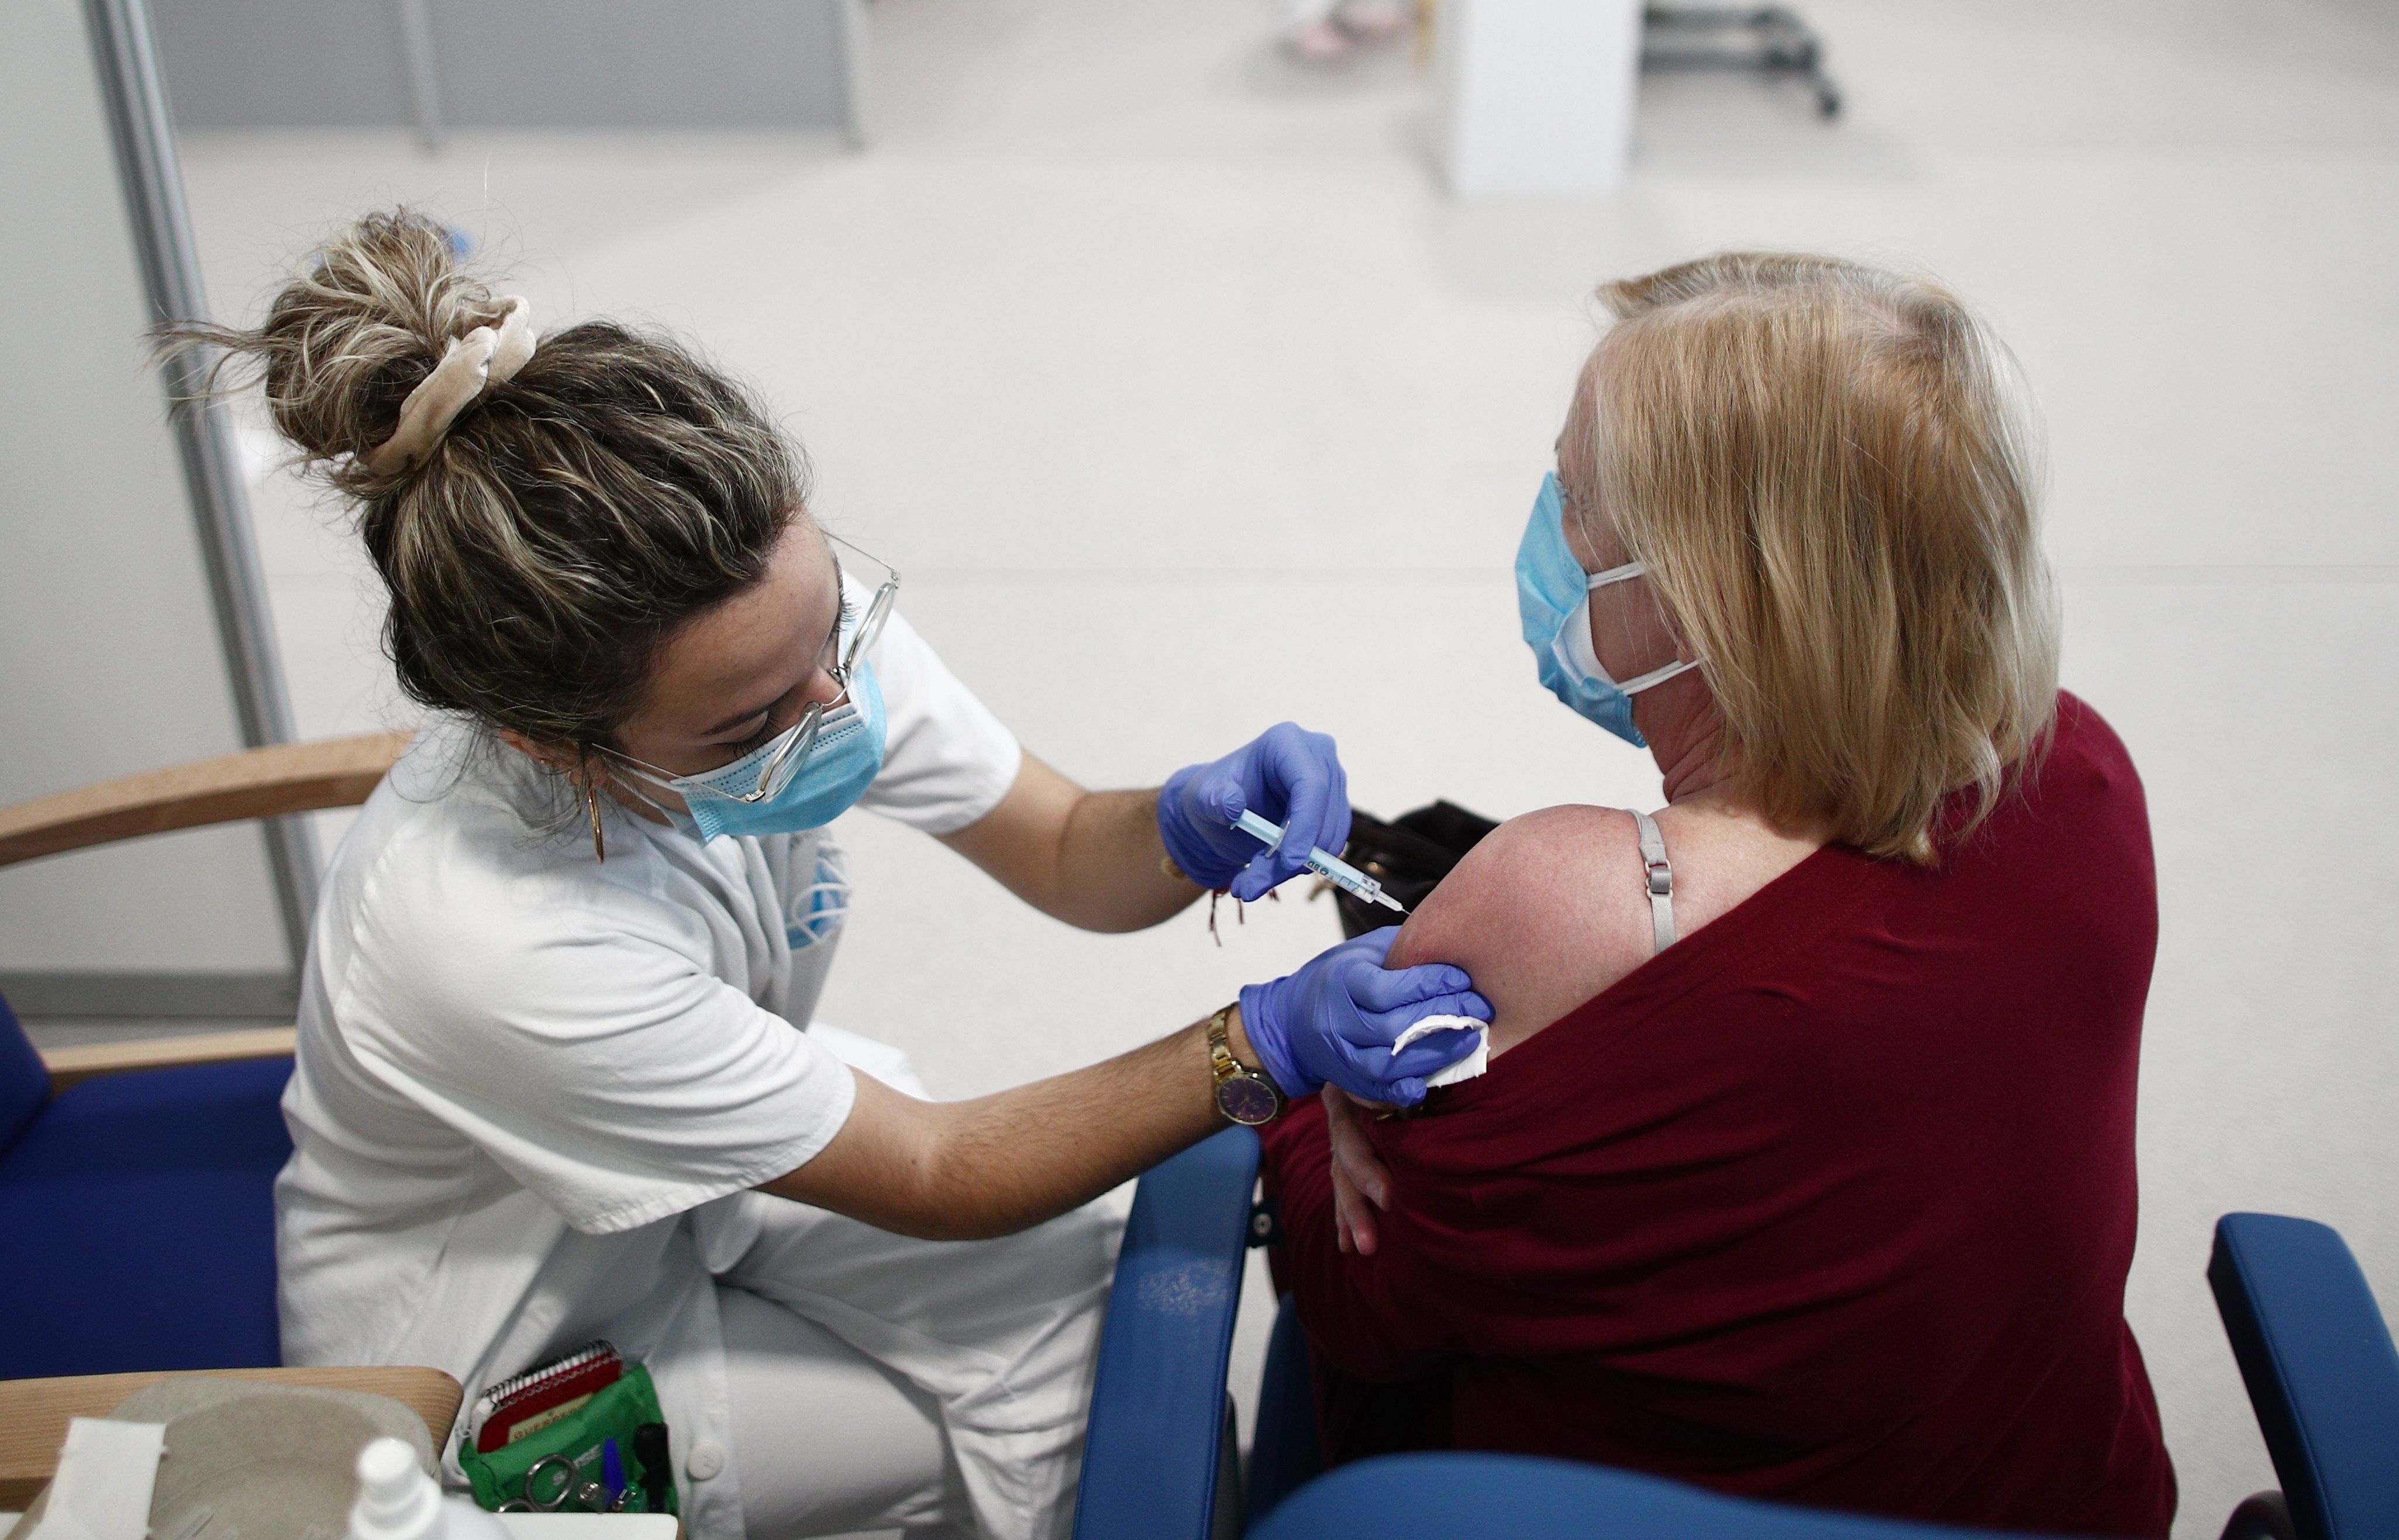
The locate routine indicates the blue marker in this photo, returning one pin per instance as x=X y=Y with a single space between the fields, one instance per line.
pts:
x=1333 y=868
x=612 y=1472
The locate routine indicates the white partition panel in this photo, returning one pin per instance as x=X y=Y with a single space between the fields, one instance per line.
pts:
x=130 y=635
x=1534 y=97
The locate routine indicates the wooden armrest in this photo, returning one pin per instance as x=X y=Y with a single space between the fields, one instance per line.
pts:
x=259 y=783
x=69 y=1065
x=34 y=1413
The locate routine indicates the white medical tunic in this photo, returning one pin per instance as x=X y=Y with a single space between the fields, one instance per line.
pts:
x=533 y=1089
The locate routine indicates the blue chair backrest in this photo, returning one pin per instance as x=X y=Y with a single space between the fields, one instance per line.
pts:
x=24 y=1083
x=1152 y=1452
x=139 y=1212
x=1286 y=1454
x=2323 y=1376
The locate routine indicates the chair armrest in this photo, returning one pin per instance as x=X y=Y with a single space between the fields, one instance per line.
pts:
x=1451 y=1494
x=1152 y=1452
x=67 y=1066
x=33 y=1413
x=259 y=783
x=2323 y=1376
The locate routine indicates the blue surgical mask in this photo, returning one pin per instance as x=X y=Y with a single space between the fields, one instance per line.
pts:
x=1554 y=601
x=834 y=773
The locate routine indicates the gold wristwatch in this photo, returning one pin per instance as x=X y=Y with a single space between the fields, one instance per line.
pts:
x=1242 y=1094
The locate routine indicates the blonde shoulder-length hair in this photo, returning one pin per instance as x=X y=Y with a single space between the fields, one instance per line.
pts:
x=1831 y=472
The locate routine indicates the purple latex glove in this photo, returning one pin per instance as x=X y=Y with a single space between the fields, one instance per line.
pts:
x=1286 y=775
x=1335 y=1020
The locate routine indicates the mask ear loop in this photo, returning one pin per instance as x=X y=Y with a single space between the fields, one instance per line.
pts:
x=1659 y=675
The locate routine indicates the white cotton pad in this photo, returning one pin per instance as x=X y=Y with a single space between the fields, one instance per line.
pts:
x=1465 y=1069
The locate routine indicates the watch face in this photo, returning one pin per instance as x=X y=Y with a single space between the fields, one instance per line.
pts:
x=1247 y=1099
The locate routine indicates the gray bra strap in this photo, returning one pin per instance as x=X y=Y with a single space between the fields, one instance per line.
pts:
x=1658 y=875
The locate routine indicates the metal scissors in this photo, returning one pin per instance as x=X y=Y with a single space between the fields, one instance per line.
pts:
x=586 y=1496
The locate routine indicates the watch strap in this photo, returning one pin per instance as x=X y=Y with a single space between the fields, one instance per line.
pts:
x=1242 y=1094
x=1220 y=1044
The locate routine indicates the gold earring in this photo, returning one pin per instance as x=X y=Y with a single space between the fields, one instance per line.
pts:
x=591 y=800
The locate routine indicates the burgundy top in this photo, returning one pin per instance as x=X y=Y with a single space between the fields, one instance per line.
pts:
x=1831 y=1202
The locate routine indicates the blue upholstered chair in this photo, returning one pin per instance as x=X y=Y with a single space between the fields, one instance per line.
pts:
x=2321 y=1374
x=2323 y=1378
x=1470 y=1496
x=136 y=1179
x=140 y=1213
x=1285 y=1455
x=1160 y=1457
x=2321 y=1370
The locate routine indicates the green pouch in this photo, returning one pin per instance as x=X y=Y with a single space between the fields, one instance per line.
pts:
x=616 y=1411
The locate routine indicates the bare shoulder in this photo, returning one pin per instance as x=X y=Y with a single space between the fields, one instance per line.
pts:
x=1546 y=913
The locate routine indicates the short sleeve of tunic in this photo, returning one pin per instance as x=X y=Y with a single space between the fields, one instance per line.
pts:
x=946 y=760
x=568 y=1025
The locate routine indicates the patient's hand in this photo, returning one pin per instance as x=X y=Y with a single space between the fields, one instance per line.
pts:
x=1360 y=1184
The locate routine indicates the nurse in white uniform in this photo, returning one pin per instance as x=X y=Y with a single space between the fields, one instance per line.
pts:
x=556 y=1079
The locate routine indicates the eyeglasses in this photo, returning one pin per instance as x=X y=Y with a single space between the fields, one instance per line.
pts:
x=778 y=759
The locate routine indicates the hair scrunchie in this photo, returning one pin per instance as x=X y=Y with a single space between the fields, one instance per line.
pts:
x=483 y=358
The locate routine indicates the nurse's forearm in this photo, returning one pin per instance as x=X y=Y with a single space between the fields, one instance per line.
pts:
x=967 y=1171
x=1091 y=858
x=1112 y=865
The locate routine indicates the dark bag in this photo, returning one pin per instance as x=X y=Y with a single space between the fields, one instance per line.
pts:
x=1408 y=855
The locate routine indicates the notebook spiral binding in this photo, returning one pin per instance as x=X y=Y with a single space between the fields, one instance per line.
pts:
x=532 y=1382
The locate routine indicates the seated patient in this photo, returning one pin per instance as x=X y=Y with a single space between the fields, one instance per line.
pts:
x=1803 y=1168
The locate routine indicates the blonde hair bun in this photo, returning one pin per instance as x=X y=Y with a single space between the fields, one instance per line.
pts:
x=369 y=317
x=554 y=512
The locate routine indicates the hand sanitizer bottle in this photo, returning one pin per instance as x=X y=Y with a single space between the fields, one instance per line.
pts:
x=398 y=1501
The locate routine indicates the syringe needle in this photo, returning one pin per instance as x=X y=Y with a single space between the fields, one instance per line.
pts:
x=1331 y=868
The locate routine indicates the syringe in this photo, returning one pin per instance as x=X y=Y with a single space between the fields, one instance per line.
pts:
x=1333 y=868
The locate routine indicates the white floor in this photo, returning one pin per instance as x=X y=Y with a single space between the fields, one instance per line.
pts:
x=1186 y=403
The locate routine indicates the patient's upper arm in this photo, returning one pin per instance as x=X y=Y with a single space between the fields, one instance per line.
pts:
x=1546 y=913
